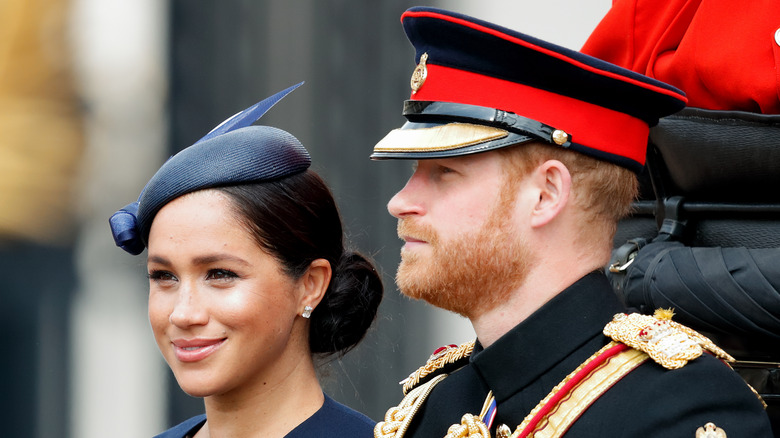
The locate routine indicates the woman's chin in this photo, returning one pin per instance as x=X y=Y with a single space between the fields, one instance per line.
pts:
x=194 y=390
x=195 y=386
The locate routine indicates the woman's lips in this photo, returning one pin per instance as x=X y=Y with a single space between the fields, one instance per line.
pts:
x=194 y=350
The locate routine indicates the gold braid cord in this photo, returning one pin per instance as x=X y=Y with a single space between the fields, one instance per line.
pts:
x=472 y=426
x=668 y=343
x=397 y=419
x=438 y=360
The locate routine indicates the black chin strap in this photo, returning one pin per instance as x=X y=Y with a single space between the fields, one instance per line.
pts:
x=419 y=111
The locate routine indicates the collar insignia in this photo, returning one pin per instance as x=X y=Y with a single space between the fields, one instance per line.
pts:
x=450 y=356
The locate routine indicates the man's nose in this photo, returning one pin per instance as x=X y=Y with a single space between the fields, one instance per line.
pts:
x=407 y=201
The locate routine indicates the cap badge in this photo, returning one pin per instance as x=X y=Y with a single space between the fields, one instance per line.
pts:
x=419 y=74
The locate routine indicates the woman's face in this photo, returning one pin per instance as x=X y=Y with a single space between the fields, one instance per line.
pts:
x=224 y=314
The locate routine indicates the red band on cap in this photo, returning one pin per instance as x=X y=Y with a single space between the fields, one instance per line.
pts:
x=589 y=125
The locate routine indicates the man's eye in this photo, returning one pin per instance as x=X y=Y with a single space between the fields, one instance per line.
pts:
x=442 y=170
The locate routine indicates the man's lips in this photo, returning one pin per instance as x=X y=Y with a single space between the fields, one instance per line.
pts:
x=411 y=243
x=197 y=349
x=414 y=234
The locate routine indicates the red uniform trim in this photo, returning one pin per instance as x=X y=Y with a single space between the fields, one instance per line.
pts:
x=590 y=125
x=573 y=382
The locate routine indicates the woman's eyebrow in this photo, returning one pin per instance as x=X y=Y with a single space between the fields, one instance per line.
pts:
x=213 y=258
x=158 y=260
x=200 y=260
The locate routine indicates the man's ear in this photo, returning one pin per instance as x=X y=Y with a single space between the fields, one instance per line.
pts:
x=314 y=282
x=552 y=180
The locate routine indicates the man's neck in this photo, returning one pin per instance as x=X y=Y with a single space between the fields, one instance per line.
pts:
x=539 y=288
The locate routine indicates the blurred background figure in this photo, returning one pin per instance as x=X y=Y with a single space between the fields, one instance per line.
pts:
x=41 y=147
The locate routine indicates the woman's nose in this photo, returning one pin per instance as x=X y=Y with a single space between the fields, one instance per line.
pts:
x=189 y=309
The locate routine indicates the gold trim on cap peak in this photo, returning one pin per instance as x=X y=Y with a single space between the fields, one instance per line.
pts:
x=438 y=138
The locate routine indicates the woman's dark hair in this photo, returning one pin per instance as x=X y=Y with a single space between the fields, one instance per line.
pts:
x=296 y=220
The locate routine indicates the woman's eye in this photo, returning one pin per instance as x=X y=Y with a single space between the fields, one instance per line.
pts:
x=161 y=276
x=221 y=274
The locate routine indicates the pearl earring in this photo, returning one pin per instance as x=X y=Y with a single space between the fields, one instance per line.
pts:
x=307 y=312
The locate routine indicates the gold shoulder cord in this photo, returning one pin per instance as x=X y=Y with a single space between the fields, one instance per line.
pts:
x=472 y=426
x=397 y=419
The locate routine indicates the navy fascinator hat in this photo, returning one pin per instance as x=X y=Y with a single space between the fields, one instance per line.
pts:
x=234 y=152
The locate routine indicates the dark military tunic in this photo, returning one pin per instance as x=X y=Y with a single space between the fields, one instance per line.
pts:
x=523 y=366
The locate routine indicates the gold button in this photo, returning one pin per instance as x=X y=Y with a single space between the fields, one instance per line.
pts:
x=560 y=137
x=503 y=431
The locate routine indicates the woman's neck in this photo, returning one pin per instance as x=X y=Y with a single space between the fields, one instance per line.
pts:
x=266 y=409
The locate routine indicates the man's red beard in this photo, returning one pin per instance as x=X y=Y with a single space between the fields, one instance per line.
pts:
x=468 y=275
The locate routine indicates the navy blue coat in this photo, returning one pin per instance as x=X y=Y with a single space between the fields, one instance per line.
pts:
x=332 y=420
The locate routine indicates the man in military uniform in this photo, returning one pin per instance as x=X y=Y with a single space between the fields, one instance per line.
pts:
x=526 y=155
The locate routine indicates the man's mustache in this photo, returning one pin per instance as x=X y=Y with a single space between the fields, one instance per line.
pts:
x=410 y=229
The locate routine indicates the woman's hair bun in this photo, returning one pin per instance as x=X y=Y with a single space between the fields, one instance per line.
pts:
x=348 y=308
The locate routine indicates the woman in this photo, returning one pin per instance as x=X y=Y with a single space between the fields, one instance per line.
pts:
x=248 y=280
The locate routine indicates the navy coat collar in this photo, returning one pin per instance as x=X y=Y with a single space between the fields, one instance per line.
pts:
x=567 y=322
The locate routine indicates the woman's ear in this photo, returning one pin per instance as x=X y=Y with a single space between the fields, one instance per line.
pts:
x=553 y=183
x=314 y=282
